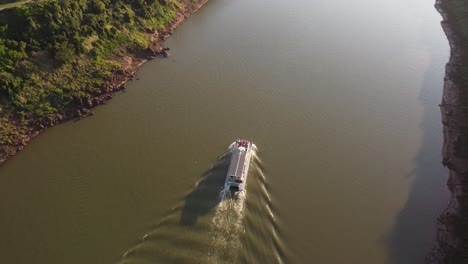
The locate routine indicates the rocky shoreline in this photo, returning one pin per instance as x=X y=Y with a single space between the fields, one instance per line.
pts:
x=116 y=82
x=451 y=245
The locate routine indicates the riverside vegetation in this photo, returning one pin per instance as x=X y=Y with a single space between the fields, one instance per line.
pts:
x=57 y=56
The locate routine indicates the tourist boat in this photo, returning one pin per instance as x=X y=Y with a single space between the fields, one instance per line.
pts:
x=241 y=154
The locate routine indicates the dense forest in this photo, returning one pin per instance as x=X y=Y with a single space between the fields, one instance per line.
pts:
x=55 y=53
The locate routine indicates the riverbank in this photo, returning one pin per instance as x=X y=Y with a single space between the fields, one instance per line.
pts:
x=451 y=244
x=15 y=132
x=13 y=4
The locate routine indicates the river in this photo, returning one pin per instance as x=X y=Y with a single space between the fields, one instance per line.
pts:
x=341 y=99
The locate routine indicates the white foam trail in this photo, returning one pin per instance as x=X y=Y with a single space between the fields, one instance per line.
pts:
x=227 y=228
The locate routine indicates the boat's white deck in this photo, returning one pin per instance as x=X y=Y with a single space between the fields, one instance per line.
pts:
x=237 y=163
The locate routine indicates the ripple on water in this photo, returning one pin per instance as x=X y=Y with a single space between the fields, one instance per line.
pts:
x=213 y=225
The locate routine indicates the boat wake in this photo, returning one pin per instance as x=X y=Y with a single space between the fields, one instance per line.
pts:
x=263 y=241
x=213 y=226
x=227 y=228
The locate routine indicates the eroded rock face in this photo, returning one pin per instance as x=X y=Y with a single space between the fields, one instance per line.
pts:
x=451 y=245
x=165 y=53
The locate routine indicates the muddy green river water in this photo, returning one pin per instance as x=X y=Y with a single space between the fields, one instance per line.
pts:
x=341 y=99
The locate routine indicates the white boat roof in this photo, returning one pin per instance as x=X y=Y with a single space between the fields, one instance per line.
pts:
x=236 y=166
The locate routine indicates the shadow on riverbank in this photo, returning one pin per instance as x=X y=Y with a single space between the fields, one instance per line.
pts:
x=415 y=227
x=205 y=196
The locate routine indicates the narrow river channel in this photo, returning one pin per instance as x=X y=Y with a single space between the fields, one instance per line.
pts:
x=341 y=98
